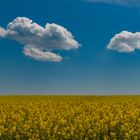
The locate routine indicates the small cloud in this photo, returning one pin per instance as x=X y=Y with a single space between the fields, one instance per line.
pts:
x=41 y=55
x=39 y=42
x=2 y=32
x=125 y=42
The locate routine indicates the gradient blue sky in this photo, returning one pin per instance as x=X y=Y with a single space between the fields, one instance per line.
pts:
x=91 y=69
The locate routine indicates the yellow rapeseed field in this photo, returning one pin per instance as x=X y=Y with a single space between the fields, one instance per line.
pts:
x=69 y=117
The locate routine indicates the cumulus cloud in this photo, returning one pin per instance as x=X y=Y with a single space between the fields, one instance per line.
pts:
x=41 y=55
x=2 y=32
x=118 y=2
x=38 y=41
x=125 y=42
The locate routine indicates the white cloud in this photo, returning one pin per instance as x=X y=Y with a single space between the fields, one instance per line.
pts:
x=41 y=55
x=2 y=32
x=40 y=40
x=118 y=2
x=125 y=42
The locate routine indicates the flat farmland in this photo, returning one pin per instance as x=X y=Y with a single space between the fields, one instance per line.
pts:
x=69 y=117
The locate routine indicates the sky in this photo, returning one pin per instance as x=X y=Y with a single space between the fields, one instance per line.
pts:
x=70 y=47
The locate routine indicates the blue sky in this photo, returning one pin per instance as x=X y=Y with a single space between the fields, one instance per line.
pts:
x=96 y=66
